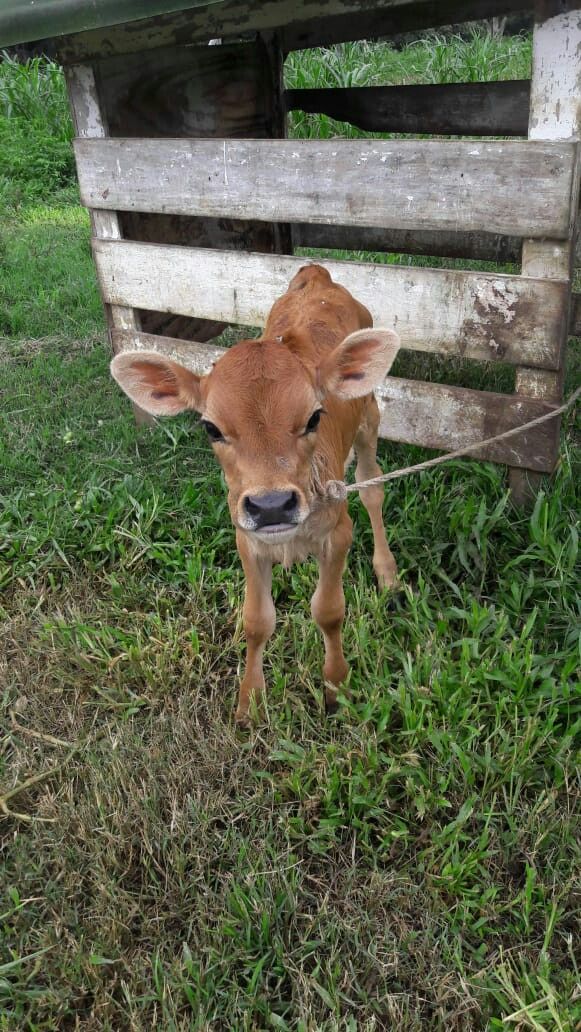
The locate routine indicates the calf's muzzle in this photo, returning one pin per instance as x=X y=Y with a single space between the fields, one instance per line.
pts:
x=272 y=509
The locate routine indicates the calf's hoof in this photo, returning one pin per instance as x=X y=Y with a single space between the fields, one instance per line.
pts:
x=331 y=703
x=242 y=720
x=387 y=577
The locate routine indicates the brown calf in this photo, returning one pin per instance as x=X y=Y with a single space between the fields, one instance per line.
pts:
x=283 y=413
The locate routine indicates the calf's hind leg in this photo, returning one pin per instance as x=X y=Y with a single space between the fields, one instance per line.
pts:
x=365 y=444
x=328 y=606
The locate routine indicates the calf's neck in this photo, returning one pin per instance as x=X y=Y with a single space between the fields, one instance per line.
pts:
x=283 y=413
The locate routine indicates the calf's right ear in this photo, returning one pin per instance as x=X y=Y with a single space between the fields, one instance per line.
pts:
x=359 y=363
x=155 y=383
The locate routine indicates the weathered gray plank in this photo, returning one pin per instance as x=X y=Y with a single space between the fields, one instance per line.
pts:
x=192 y=354
x=403 y=184
x=413 y=412
x=555 y=108
x=437 y=416
x=486 y=247
x=387 y=20
x=310 y=23
x=482 y=316
x=555 y=114
x=452 y=109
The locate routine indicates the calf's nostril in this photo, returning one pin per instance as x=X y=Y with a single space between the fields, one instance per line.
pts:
x=291 y=502
x=251 y=506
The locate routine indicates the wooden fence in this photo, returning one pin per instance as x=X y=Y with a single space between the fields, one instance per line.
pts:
x=192 y=222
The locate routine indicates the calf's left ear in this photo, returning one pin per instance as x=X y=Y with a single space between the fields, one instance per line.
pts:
x=155 y=383
x=359 y=363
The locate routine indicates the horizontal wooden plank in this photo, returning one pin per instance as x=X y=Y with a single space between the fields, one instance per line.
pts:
x=491 y=317
x=308 y=24
x=403 y=184
x=387 y=20
x=192 y=354
x=452 y=109
x=412 y=412
x=437 y=416
x=485 y=247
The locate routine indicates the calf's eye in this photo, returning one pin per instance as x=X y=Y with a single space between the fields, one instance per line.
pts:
x=314 y=421
x=212 y=431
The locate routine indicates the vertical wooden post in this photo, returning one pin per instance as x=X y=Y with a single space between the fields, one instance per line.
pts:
x=89 y=122
x=278 y=129
x=555 y=114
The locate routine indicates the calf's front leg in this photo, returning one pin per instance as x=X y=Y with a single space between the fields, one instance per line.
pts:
x=328 y=606
x=259 y=618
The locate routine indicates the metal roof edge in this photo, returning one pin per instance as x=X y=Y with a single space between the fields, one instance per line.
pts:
x=25 y=21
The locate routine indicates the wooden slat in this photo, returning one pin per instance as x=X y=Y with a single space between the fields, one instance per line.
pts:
x=555 y=114
x=437 y=416
x=482 y=316
x=453 y=109
x=192 y=354
x=308 y=24
x=486 y=247
x=412 y=412
x=404 y=184
x=392 y=20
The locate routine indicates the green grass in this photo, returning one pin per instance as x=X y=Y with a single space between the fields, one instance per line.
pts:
x=47 y=286
x=435 y=59
x=35 y=131
x=411 y=864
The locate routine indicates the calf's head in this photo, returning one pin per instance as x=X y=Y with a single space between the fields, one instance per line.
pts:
x=263 y=407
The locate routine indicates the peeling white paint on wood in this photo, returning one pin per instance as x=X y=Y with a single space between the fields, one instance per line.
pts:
x=490 y=317
x=555 y=105
x=555 y=114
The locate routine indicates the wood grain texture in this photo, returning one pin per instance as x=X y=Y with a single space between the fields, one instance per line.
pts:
x=197 y=91
x=224 y=91
x=412 y=412
x=486 y=247
x=90 y=122
x=380 y=22
x=404 y=184
x=555 y=114
x=437 y=416
x=555 y=106
x=310 y=23
x=482 y=316
x=194 y=355
x=453 y=109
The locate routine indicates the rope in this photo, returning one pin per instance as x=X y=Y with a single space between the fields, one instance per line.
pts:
x=337 y=490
